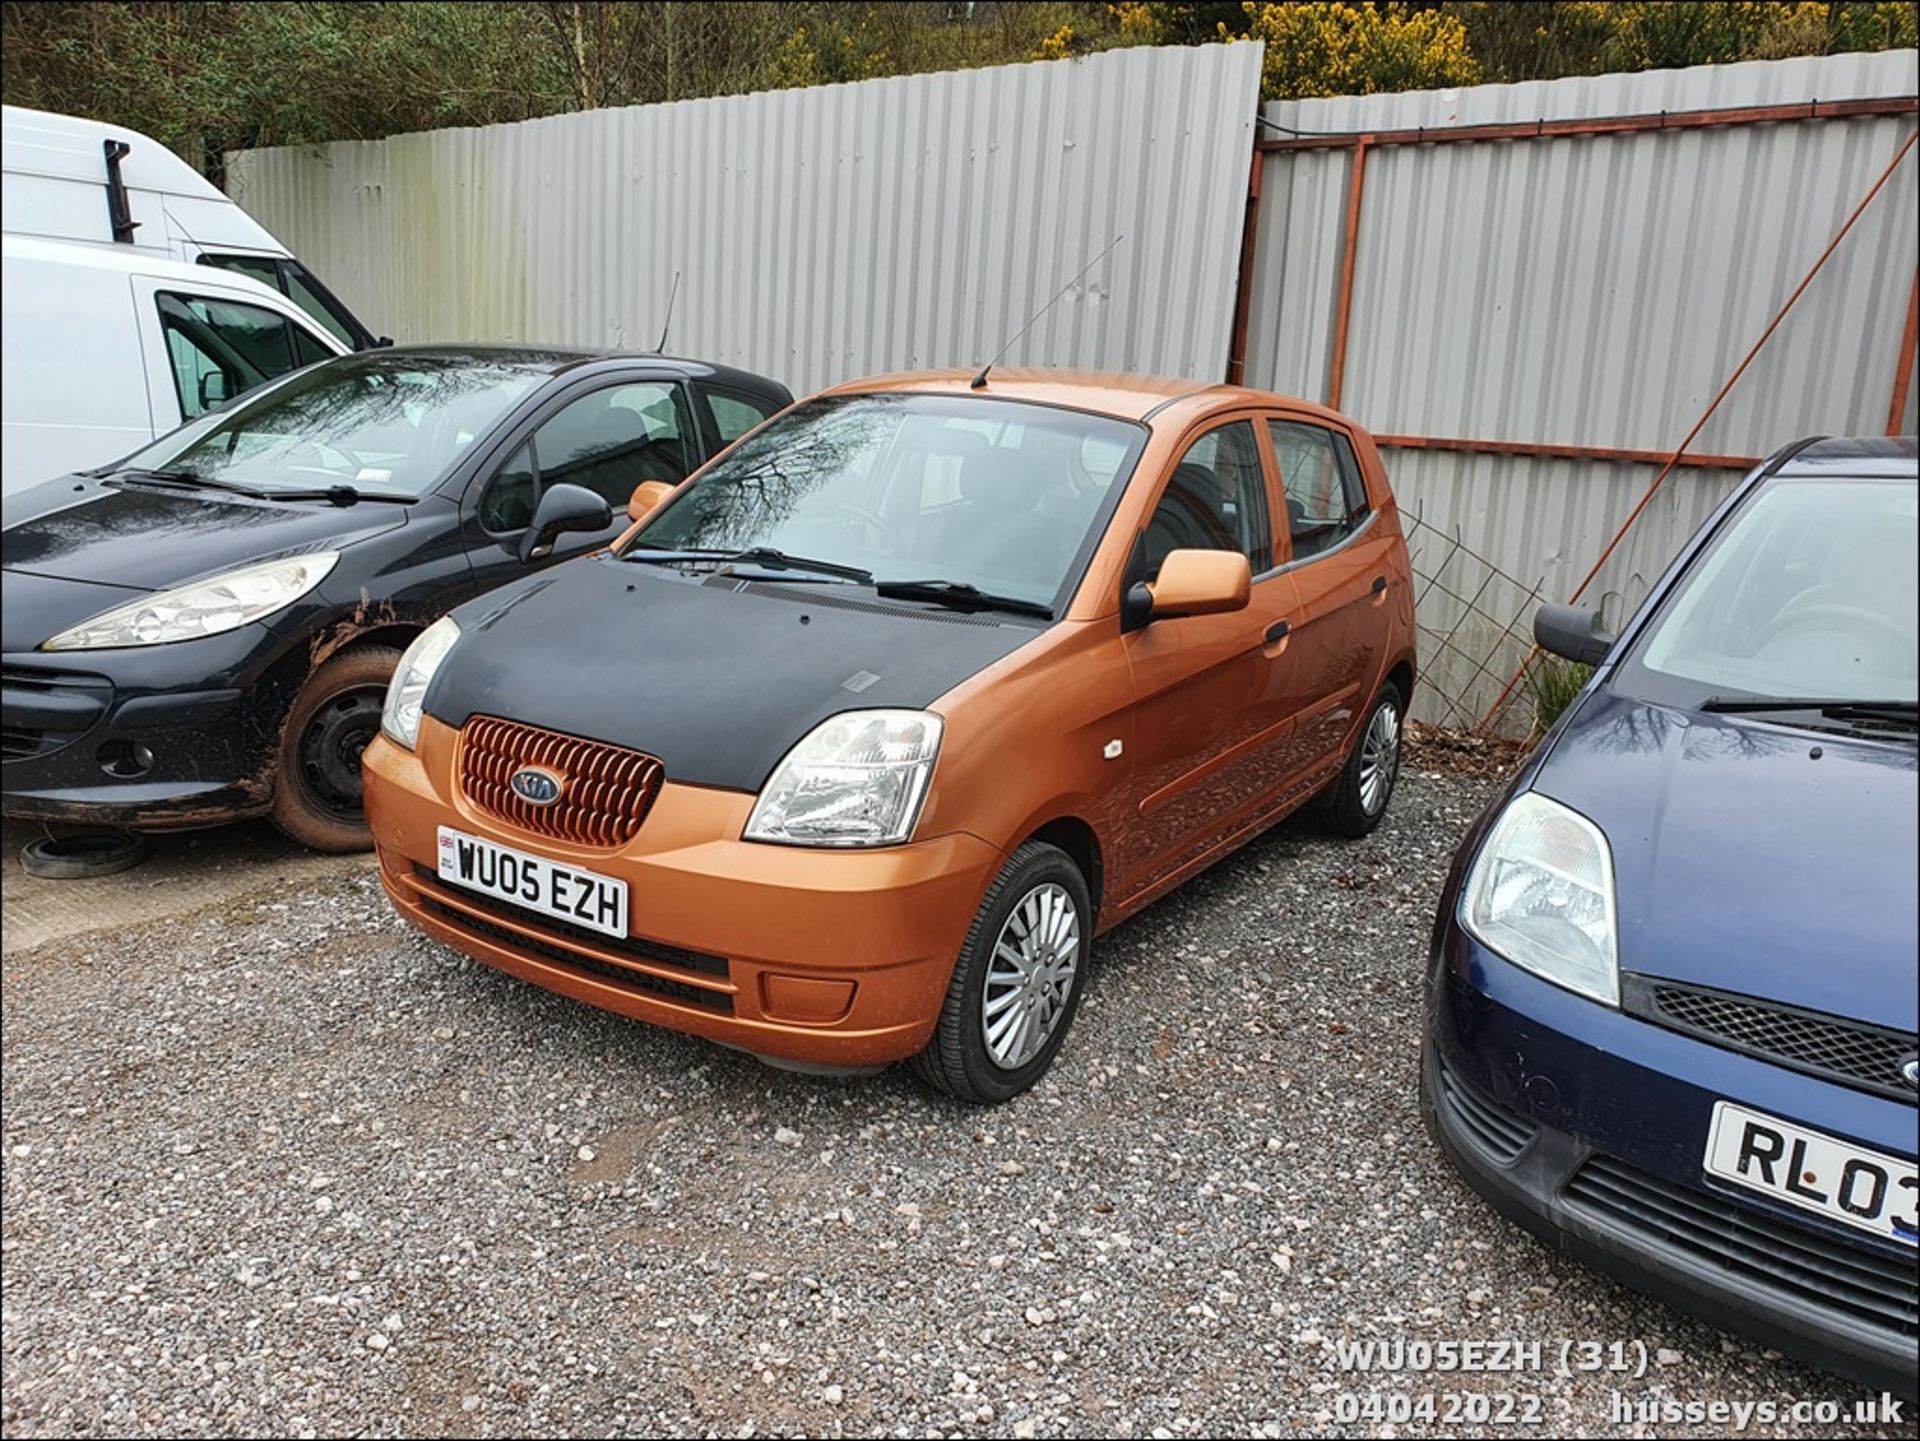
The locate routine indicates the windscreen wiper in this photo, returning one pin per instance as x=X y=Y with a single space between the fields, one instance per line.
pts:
x=1886 y=712
x=960 y=595
x=754 y=555
x=341 y=495
x=188 y=480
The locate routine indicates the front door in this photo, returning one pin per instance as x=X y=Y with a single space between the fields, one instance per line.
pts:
x=1209 y=718
x=608 y=440
x=1341 y=564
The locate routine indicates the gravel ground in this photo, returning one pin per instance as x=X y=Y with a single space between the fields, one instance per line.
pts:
x=287 y=1167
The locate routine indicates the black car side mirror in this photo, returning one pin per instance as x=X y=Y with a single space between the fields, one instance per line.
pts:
x=213 y=390
x=561 y=509
x=1572 y=632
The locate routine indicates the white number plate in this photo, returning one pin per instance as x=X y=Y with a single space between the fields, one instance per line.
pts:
x=1845 y=1183
x=563 y=892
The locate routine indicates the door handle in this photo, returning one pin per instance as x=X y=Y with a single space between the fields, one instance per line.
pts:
x=1379 y=584
x=1278 y=631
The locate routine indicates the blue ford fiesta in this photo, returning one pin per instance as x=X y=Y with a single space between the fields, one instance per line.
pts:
x=1672 y=999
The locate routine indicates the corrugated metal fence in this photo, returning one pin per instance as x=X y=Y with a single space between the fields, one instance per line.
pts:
x=1589 y=291
x=1526 y=300
x=821 y=233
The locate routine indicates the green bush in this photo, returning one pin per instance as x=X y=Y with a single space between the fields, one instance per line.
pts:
x=1554 y=684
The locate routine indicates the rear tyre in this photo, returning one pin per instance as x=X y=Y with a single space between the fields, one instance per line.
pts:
x=1017 y=984
x=1367 y=781
x=316 y=788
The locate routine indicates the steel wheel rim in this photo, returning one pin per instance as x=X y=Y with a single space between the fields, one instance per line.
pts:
x=1379 y=758
x=330 y=747
x=1030 y=976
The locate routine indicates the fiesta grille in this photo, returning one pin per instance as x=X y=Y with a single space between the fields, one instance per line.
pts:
x=1852 y=1053
x=1501 y=1133
x=605 y=790
x=1809 y=1269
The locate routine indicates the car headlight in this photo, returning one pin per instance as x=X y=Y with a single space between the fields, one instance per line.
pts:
x=1541 y=894
x=407 y=691
x=205 y=607
x=857 y=780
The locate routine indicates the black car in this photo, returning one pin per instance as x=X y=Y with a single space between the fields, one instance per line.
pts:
x=205 y=630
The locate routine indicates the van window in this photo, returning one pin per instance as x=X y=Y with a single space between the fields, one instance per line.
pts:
x=220 y=348
x=296 y=282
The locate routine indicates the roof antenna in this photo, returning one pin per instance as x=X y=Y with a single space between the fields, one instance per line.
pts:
x=672 y=295
x=980 y=380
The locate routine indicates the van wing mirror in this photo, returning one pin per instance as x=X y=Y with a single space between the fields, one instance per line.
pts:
x=646 y=498
x=213 y=390
x=1572 y=632
x=563 y=508
x=1199 y=582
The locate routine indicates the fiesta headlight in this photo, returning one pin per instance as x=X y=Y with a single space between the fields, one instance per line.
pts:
x=858 y=779
x=1541 y=894
x=407 y=691
x=204 y=607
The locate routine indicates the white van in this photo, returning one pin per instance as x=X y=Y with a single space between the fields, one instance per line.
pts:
x=79 y=180
x=107 y=346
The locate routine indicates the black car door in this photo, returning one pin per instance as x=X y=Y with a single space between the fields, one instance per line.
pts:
x=608 y=435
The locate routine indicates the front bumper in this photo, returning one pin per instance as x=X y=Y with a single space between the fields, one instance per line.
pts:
x=149 y=738
x=1588 y=1127
x=820 y=959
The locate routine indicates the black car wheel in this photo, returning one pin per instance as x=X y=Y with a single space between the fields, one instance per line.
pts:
x=1360 y=796
x=316 y=793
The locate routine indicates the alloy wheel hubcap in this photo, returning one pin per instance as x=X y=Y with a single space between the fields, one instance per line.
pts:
x=1379 y=758
x=1030 y=976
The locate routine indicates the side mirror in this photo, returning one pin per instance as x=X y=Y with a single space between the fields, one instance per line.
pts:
x=1196 y=582
x=1572 y=632
x=213 y=390
x=561 y=509
x=646 y=496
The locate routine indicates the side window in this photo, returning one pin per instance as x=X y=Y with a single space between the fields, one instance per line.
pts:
x=1326 y=498
x=1216 y=499
x=508 y=503
x=220 y=348
x=609 y=441
x=734 y=414
x=307 y=350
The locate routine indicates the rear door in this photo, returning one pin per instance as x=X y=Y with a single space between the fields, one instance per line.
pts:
x=609 y=435
x=1341 y=562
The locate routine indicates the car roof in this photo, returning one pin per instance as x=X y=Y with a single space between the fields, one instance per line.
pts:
x=1856 y=456
x=1117 y=393
x=560 y=359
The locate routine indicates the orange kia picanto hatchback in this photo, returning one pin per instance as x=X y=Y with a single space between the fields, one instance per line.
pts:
x=849 y=747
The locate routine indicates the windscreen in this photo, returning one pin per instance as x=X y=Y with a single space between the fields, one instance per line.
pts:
x=997 y=494
x=385 y=422
x=1810 y=593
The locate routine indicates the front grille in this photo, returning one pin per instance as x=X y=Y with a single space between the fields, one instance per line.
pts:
x=1811 y=1270
x=635 y=946
x=1501 y=1133
x=41 y=710
x=606 y=791
x=1850 y=1052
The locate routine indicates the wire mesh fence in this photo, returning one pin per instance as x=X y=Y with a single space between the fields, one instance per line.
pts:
x=1475 y=630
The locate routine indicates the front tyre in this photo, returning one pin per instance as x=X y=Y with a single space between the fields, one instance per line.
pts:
x=316 y=789
x=1017 y=983
x=1366 y=783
